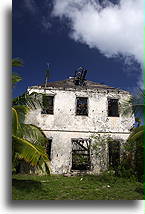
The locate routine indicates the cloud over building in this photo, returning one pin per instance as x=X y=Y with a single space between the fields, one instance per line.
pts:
x=114 y=29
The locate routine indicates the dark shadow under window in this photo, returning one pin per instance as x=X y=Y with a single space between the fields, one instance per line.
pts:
x=48 y=148
x=47 y=104
x=113 y=108
x=82 y=106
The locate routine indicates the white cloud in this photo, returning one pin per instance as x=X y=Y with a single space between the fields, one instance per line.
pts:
x=113 y=29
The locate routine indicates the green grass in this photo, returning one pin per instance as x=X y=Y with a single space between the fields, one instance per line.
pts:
x=89 y=187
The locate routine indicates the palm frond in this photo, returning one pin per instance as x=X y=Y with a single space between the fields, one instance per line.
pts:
x=17 y=62
x=15 y=121
x=32 y=101
x=27 y=131
x=21 y=111
x=34 y=134
x=137 y=133
x=34 y=154
x=15 y=79
x=138 y=102
x=135 y=104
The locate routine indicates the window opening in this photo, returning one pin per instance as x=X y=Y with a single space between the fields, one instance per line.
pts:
x=47 y=104
x=81 y=154
x=82 y=106
x=48 y=148
x=113 y=108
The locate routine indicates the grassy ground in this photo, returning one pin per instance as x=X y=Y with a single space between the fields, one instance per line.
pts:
x=26 y=187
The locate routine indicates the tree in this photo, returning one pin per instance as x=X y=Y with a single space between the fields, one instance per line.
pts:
x=28 y=141
x=135 y=104
x=135 y=144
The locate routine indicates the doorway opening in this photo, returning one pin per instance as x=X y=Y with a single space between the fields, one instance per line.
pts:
x=114 y=154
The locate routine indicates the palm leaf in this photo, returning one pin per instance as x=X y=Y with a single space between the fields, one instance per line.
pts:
x=35 y=155
x=138 y=102
x=136 y=134
x=15 y=121
x=135 y=104
x=34 y=134
x=17 y=62
x=32 y=101
x=22 y=111
x=15 y=78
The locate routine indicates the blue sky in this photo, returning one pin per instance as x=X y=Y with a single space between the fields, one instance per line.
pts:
x=51 y=31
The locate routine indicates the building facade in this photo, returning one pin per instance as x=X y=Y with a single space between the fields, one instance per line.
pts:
x=73 y=117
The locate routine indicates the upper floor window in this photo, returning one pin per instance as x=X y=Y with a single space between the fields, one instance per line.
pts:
x=82 y=106
x=47 y=104
x=113 y=108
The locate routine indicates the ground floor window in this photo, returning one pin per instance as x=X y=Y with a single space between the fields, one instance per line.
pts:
x=81 y=154
x=48 y=148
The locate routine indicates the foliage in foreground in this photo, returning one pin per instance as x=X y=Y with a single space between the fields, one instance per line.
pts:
x=16 y=77
x=89 y=187
x=28 y=141
x=134 y=156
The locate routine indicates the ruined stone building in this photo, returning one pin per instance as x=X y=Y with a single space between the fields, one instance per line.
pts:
x=74 y=111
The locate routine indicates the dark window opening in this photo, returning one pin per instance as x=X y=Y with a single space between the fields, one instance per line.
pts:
x=114 y=154
x=113 y=108
x=48 y=148
x=81 y=154
x=47 y=104
x=82 y=106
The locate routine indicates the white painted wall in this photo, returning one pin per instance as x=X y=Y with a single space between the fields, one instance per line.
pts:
x=64 y=124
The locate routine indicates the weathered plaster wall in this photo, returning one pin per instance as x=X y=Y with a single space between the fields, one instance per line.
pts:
x=61 y=153
x=65 y=118
x=64 y=125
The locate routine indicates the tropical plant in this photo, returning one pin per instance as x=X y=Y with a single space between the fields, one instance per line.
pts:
x=135 y=144
x=136 y=134
x=16 y=77
x=134 y=104
x=32 y=101
x=28 y=141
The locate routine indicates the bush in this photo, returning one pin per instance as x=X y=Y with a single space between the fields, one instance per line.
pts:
x=131 y=165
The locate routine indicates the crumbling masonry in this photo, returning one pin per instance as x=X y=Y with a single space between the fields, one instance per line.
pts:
x=72 y=113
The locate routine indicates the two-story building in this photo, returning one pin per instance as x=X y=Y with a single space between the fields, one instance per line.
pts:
x=73 y=112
